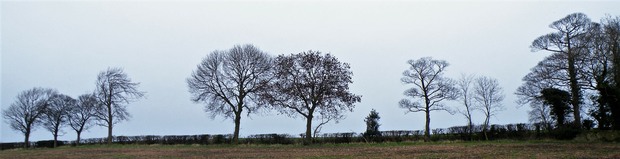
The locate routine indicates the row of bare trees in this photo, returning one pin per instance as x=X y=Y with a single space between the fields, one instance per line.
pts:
x=244 y=79
x=431 y=88
x=584 y=63
x=581 y=72
x=52 y=110
x=315 y=86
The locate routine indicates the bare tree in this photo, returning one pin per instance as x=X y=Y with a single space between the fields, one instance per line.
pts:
x=568 y=41
x=228 y=82
x=546 y=74
x=489 y=96
x=56 y=114
x=81 y=115
x=540 y=115
x=324 y=119
x=430 y=86
x=114 y=90
x=464 y=85
x=313 y=86
x=25 y=113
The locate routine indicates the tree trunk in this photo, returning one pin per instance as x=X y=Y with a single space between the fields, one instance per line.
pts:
x=77 y=142
x=486 y=126
x=26 y=137
x=110 y=117
x=470 y=130
x=237 y=123
x=308 y=139
x=56 y=135
x=55 y=140
x=110 y=132
x=615 y=111
x=110 y=122
x=427 y=130
x=615 y=49
x=574 y=88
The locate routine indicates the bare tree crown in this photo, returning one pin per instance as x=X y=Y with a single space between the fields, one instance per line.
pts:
x=229 y=82
x=225 y=78
x=426 y=74
x=309 y=81
x=25 y=113
x=114 y=91
x=311 y=85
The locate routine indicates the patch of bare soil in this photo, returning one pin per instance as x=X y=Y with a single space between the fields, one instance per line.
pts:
x=448 y=150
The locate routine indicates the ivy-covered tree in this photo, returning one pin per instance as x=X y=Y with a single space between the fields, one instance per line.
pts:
x=559 y=101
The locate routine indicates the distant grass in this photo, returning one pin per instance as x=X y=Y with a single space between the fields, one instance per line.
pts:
x=446 y=149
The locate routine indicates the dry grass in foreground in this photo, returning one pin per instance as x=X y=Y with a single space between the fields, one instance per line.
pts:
x=491 y=149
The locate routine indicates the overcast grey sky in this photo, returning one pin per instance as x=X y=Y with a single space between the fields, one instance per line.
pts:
x=64 y=45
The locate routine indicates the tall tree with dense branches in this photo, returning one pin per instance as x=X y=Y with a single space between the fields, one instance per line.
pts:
x=429 y=86
x=82 y=114
x=25 y=113
x=114 y=90
x=567 y=42
x=57 y=113
x=312 y=85
x=605 y=55
x=229 y=82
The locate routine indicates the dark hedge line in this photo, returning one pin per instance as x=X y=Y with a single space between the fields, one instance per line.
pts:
x=269 y=139
x=510 y=131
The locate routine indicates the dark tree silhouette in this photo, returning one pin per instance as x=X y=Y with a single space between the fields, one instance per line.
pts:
x=229 y=82
x=489 y=95
x=114 y=90
x=559 y=102
x=567 y=42
x=56 y=114
x=25 y=113
x=598 y=72
x=372 y=126
x=612 y=39
x=311 y=85
x=430 y=86
x=605 y=71
x=81 y=115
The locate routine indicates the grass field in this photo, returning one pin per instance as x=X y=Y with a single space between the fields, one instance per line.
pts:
x=490 y=149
